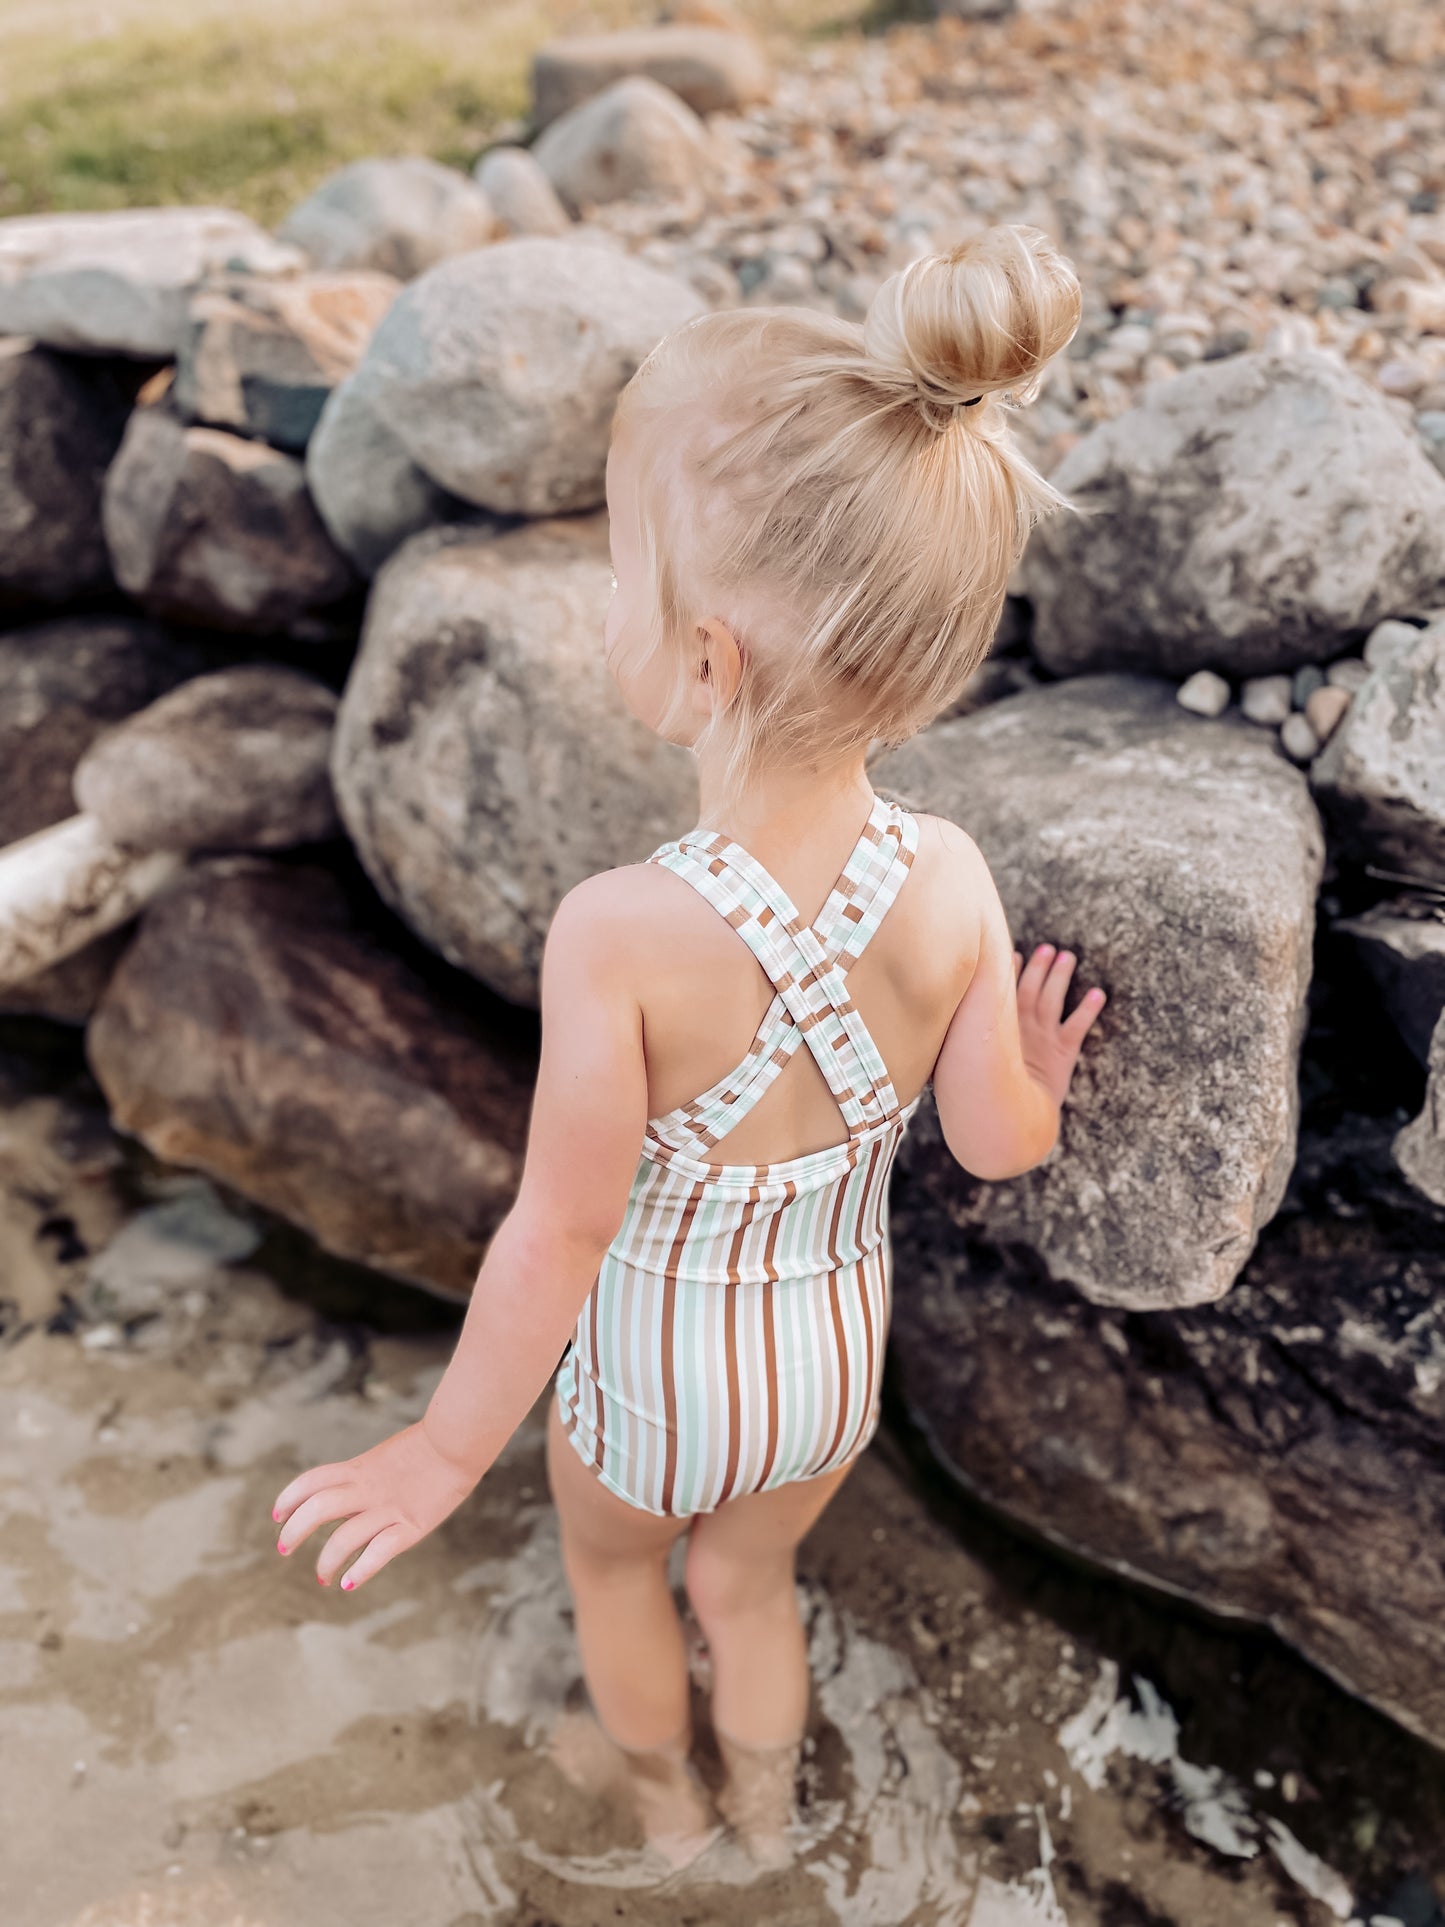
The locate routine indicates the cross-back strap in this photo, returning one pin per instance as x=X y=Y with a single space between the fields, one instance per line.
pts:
x=806 y=964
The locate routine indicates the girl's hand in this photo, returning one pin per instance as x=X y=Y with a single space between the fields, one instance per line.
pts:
x=1051 y=1041
x=390 y=1497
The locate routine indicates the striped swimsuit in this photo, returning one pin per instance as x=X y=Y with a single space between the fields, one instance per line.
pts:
x=733 y=1339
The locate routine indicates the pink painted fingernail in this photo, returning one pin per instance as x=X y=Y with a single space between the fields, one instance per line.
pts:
x=276 y=1512
x=283 y=1550
x=319 y=1580
x=347 y=1584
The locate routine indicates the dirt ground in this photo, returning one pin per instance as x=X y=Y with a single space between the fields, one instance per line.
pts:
x=192 y=1731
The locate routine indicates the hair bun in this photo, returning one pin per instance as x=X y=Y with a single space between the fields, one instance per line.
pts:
x=988 y=315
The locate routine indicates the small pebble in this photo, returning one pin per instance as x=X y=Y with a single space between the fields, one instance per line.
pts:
x=1297 y=739
x=1348 y=673
x=1387 y=639
x=1306 y=682
x=1325 y=708
x=1204 y=693
x=1266 y=699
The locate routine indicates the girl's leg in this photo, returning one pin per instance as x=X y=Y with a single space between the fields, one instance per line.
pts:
x=740 y=1579
x=631 y=1640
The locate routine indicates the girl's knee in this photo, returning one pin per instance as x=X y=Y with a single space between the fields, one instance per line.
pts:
x=722 y=1584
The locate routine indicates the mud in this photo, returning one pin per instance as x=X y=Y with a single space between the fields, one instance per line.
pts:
x=192 y=1731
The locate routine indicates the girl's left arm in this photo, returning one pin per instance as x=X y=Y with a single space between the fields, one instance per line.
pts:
x=589 y=1111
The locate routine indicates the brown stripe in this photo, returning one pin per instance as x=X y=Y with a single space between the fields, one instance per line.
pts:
x=750 y=1212
x=875 y=1151
x=770 y=1386
x=770 y=1344
x=867 y=1411
x=669 y=1379
x=839 y=1199
x=840 y=1343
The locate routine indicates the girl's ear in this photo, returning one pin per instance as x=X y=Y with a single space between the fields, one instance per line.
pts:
x=721 y=670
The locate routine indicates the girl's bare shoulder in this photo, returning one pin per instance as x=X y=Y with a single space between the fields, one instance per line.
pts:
x=630 y=910
x=953 y=866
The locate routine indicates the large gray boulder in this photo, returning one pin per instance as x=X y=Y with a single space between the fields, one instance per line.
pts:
x=632 y=140
x=262 y=356
x=367 y=490
x=1278 y=1456
x=62 y=684
x=60 y=424
x=710 y=68
x=498 y=371
x=237 y=760
x=206 y=527
x=1179 y=858
x=397 y=215
x=522 y=197
x=257 y=1029
x=1248 y=515
x=1381 y=777
x=120 y=283
x=484 y=761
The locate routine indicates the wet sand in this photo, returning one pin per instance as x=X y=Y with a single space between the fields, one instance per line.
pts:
x=192 y=1730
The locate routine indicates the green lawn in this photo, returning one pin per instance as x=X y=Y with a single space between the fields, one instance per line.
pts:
x=249 y=102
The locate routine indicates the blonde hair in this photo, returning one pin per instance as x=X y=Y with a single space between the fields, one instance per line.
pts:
x=837 y=474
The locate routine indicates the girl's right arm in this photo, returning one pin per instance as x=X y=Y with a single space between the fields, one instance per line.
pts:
x=1004 y=1068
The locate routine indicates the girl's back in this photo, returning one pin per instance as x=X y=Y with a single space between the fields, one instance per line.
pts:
x=703 y=993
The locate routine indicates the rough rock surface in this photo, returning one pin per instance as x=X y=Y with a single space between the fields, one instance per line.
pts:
x=522 y=197
x=707 y=67
x=262 y=356
x=1247 y=515
x=399 y=216
x=1420 y=1147
x=61 y=684
x=206 y=527
x=367 y=490
x=120 y=282
x=1179 y=859
x=237 y=760
x=1381 y=777
x=1402 y=945
x=634 y=138
x=498 y=372
x=483 y=761
x=1280 y=1455
x=255 y=1030
x=61 y=422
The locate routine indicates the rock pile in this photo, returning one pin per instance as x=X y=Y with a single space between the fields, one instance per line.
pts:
x=308 y=726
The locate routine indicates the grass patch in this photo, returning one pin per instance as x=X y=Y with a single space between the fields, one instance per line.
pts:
x=249 y=104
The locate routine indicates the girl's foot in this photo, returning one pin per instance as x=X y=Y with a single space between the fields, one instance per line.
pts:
x=660 y=1785
x=758 y=1798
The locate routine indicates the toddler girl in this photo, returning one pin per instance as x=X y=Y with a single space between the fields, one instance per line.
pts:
x=813 y=524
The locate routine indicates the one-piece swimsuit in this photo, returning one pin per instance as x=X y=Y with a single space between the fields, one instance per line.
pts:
x=733 y=1338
